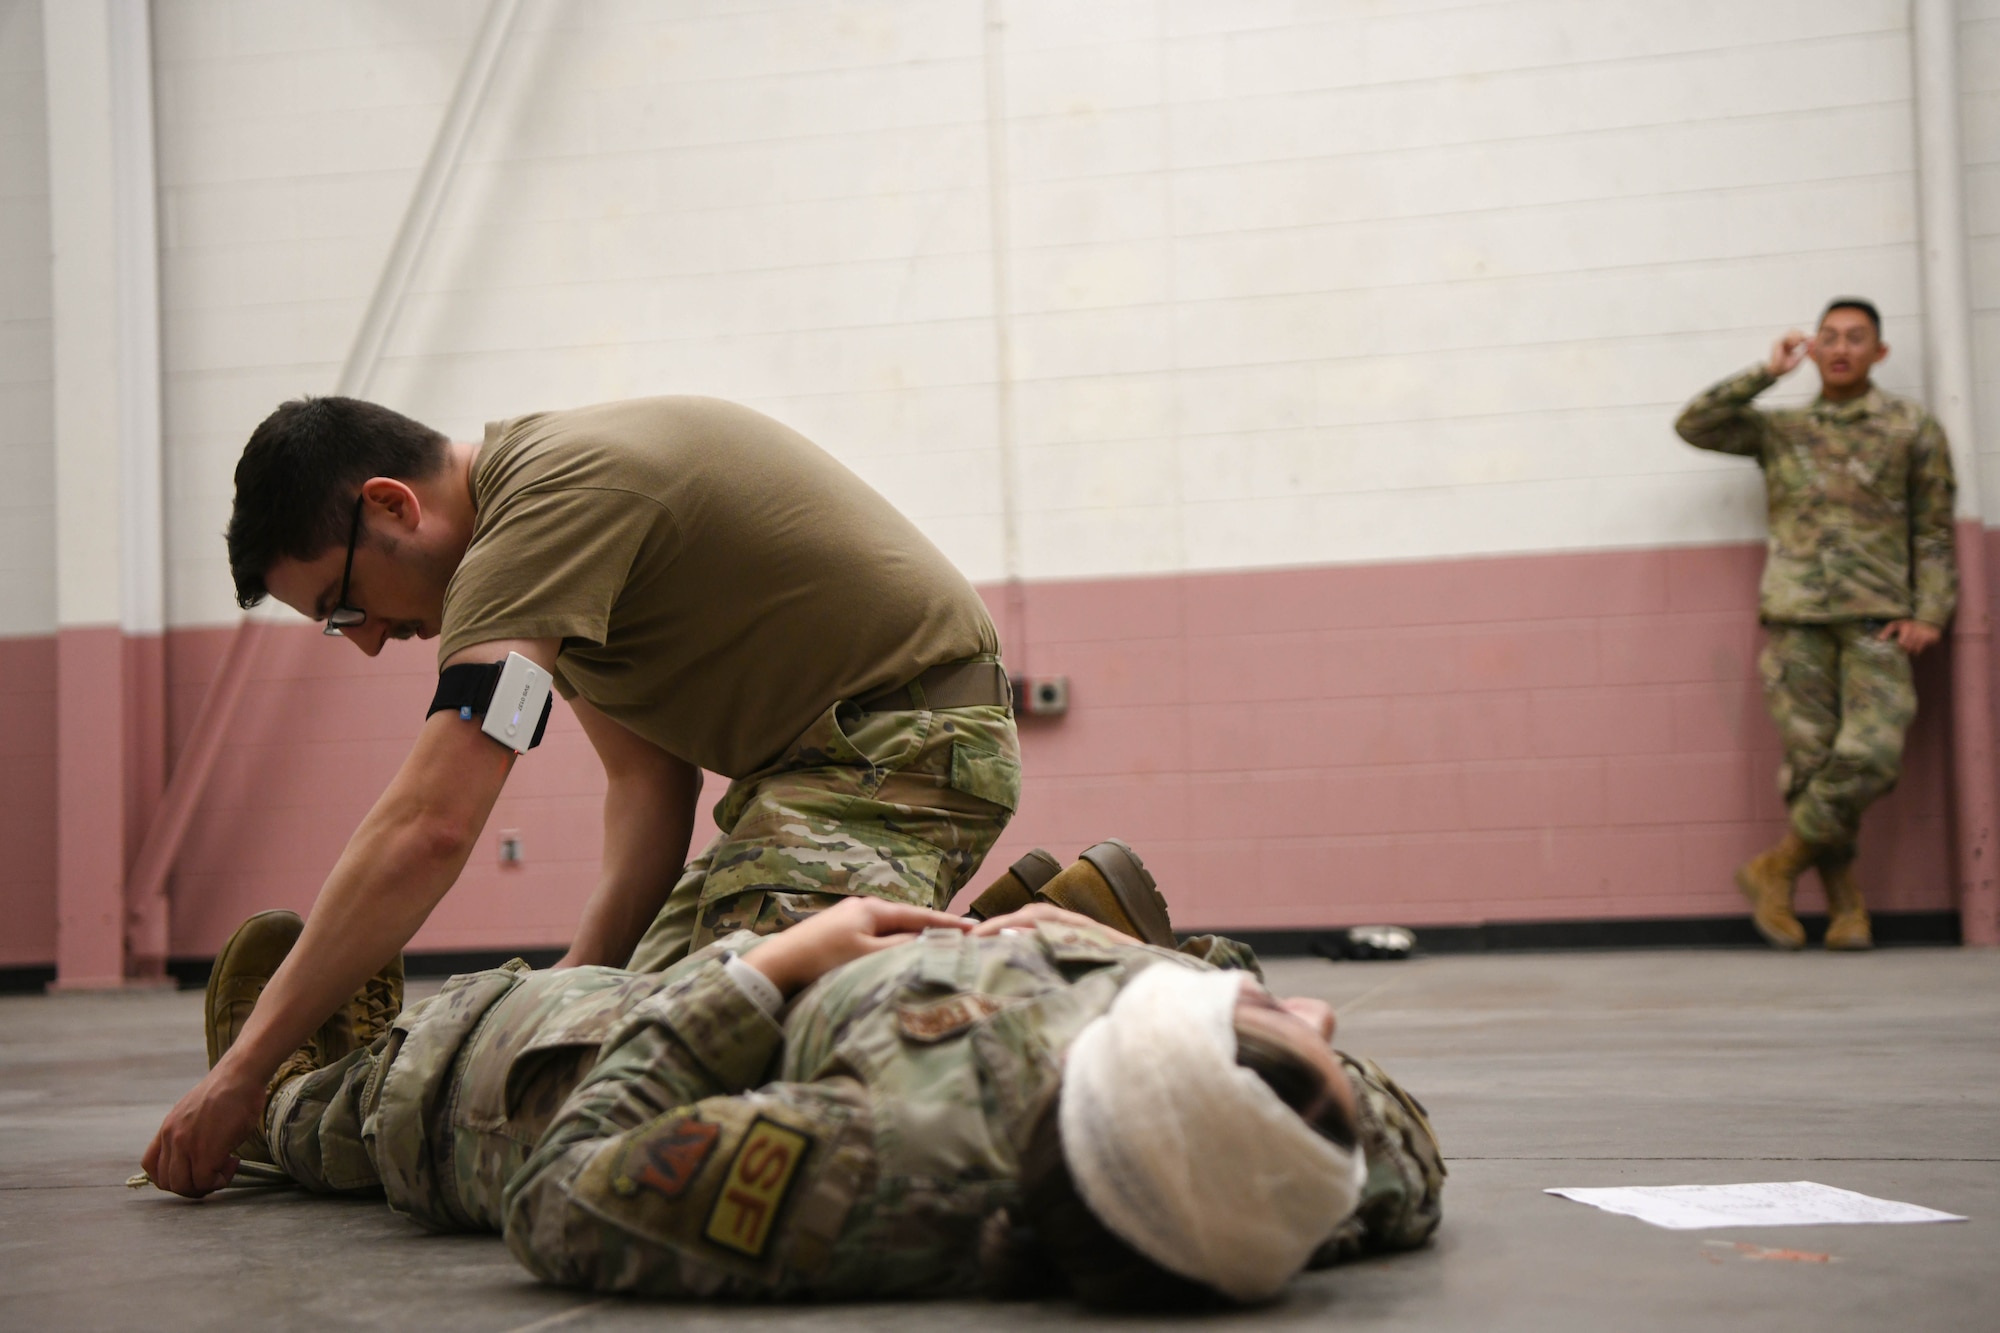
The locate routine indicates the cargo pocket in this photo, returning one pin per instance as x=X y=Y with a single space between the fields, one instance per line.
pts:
x=987 y=774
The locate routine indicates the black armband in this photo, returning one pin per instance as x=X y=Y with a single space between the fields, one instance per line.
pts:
x=467 y=689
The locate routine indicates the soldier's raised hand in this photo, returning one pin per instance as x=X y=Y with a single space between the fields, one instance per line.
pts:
x=1787 y=352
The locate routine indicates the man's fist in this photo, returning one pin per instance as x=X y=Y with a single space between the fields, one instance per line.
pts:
x=1787 y=352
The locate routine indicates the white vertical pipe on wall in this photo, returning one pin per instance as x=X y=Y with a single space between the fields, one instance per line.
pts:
x=1948 y=376
x=142 y=549
x=136 y=240
x=999 y=191
x=104 y=286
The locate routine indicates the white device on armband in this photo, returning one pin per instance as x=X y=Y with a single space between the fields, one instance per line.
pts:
x=519 y=696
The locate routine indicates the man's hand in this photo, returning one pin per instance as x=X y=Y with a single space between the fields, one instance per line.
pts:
x=1912 y=636
x=849 y=930
x=194 y=1152
x=1787 y=352
x=1028 y=917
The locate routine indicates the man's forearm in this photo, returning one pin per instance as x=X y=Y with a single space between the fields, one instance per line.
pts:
x=391 y=876
x=649 y=803
x=1720 y=417
x=404 y=858
x=648 y=826
x=615 y=917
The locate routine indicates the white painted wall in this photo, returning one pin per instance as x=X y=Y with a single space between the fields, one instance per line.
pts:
x=27 y=424
x=1979 y=75
x=1288 y=283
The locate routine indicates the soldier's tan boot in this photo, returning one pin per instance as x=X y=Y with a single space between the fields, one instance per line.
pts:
x=1110 y=885
x=241 y=972
x=367 y=1015
x=1016 y=888
x=1847 y=923
x=1767 y=880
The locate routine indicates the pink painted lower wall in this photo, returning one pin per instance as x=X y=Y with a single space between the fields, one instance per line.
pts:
x=27 y=801
x=1546 y=737
x=1550 y=737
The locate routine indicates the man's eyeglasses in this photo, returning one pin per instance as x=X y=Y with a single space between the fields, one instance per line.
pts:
x=343 y=616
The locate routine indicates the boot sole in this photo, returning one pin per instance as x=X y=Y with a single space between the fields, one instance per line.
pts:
x=1749 y=892
x=224 y=961
x=1132 y=884
x=1035 y=870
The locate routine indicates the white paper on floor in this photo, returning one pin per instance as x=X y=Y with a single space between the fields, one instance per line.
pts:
x=1773 y=1203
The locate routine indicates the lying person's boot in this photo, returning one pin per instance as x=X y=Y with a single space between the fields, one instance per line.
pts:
x=1847 y=924
x=241 y=972
x=1767 y=880
x=1110 y=885
x=1015 y=889
x=367 y=1015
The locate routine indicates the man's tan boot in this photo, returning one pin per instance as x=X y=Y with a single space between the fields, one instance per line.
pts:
x=1015 y=889
x=1110 y=885
x=1847 y=922
x=1767 y=879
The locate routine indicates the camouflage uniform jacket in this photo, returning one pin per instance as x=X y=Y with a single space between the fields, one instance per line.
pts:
x=1859 y=496
x=861 y=1149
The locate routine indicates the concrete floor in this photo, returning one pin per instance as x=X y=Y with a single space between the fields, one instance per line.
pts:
x=1878 y=1073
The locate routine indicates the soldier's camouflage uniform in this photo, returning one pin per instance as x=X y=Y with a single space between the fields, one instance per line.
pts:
x=660 y=1134
x=898 y=805
x=1860 y=509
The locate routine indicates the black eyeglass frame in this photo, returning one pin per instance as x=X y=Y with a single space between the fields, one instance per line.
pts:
x=345 y=617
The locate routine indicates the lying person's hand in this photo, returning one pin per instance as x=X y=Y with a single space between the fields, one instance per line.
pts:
x=195 y=1151
x=796 y=958
x=1028 y=917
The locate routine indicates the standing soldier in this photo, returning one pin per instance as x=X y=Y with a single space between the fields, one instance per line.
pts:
x=1859 y=579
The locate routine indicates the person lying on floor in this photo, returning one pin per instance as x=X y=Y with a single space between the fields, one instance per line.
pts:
x=880 y=1101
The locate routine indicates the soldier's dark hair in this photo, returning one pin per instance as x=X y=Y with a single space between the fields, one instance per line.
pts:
x=297 y=479
x=1862 y=304
x=1052 y=1242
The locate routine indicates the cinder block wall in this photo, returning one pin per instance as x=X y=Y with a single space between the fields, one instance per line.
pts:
x=1344 y=343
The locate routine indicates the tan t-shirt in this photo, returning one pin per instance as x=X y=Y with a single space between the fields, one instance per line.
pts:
x=717 y=580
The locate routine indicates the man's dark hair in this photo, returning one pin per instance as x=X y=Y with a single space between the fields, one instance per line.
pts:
x=1862 y=304
x=1052 y=1241
x=297 y=479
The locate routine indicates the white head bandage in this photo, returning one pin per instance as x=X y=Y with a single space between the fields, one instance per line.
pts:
x=1186 y=1155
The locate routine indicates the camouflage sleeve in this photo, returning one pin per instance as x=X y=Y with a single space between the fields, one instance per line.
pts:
x=1403 y=1199
x=742 y=1196
x=1223 y=952
x=1721 y=418
x=662 y=1175
x=1933 y=493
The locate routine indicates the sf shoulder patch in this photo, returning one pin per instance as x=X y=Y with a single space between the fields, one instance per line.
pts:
x=762 y=1173
x=666 y=1160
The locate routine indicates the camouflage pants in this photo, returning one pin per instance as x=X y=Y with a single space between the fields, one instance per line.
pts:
x=441 y=1111
x=1842 y=699
x=896 y=805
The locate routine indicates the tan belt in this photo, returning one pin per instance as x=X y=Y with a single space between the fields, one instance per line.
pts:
x=948 y=685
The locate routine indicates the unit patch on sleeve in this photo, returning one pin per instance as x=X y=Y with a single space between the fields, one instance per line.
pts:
x=666 y=1160
x=761 y=1174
